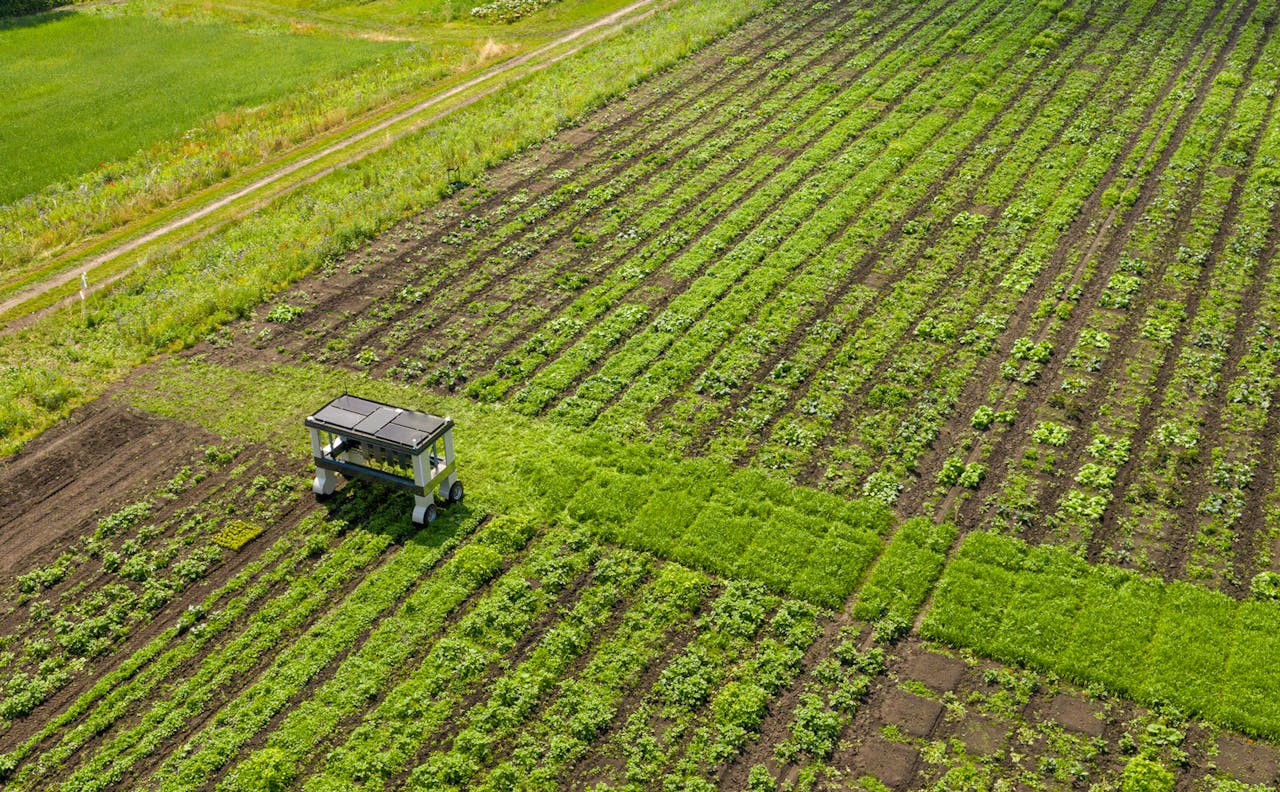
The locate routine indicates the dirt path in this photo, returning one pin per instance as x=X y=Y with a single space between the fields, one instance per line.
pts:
x=256 y=195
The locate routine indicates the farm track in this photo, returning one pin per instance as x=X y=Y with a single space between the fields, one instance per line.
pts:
x=312 y=165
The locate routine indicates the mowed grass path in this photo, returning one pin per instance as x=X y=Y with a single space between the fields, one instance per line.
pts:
x=83 y=89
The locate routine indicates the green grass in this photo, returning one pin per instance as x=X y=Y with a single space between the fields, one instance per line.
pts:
x=713 y=516
x=1149 y=640
x=86 y=89
x=906 y=572
x=435 y=21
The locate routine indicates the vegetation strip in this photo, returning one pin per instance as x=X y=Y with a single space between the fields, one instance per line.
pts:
x=391 y=641
x=1147 y=639
x=300 y=169
x=306 y=598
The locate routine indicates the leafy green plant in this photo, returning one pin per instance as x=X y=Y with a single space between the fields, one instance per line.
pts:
x=283 y=313
x=1051 y=434
x=1146 y=775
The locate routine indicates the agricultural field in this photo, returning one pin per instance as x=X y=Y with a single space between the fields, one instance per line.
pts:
x=879 y=397
x=950 y=265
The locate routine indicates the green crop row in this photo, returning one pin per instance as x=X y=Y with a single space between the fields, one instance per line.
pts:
x=120 y=692
x=384 y=642
x=897 y=434
x=512 y=230
x=305 y=599
x=692 y=188
x=637 y=239
x=153 y=661
x=117 y=577
x=1033 y=209
x=748 y=525
x=743 y=260
x=709 y=701
x=808 y=117
x=585 y=704
x=740 y=705
x=974 y=145
x=1149 y=640
x=1163 y=264
x=514 y=697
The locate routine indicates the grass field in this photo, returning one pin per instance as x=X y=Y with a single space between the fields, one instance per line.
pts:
x=436 y=21
x=67 y=113
x=881 y=397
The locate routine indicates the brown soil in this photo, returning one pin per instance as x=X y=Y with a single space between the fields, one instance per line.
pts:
x=914 y=715
x=1077 y=714
x=1011 y=734
x=893 y=764
x=106 y=456
x=1248 y=761
x=101 y=458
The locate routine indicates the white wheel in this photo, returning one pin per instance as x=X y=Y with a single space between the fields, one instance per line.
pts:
x=424 y=515
x=456 y=492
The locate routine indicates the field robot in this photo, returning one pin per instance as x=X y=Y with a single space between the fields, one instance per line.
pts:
x=404 y=449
